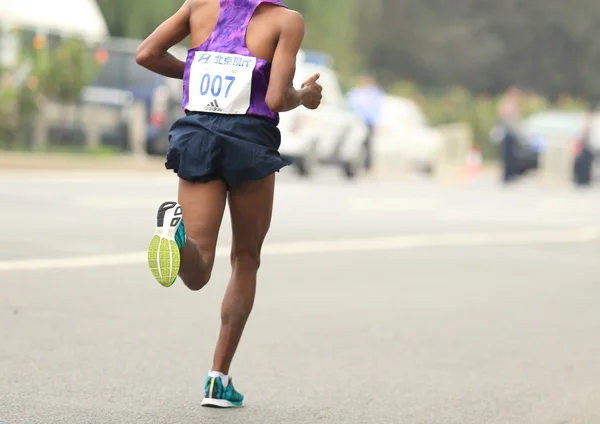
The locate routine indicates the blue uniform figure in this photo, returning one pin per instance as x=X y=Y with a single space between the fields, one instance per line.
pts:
x=367 y=100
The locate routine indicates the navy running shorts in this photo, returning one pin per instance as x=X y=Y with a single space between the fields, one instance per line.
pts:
x=233 y=148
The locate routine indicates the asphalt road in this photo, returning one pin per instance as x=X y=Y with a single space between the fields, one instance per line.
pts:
x=378 y=303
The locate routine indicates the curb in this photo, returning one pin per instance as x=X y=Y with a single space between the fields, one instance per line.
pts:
x=62 y=162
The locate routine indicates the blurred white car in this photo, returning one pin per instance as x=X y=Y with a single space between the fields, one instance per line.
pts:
x=404 y=132
x=556 y=125
x=331 y=135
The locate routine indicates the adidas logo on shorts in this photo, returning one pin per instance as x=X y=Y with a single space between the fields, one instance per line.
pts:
x=213 y=107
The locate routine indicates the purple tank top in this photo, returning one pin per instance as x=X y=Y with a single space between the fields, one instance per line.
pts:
x=221 y=75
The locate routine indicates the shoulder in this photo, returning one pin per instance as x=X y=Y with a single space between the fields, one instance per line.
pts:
x=287 y=23
x=289 y=19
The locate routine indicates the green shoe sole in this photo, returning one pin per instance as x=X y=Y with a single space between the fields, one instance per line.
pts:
x=164 y=258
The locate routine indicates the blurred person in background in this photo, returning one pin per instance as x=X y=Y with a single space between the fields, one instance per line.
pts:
x=584 y=154
x=509 y=117
x=509 y=108
x=367 y=100
x=236 y=81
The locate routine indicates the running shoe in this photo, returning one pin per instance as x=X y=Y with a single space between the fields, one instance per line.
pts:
x=218 y=396
x=169 y=237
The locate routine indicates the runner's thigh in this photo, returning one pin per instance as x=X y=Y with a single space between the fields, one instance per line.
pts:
x=251 y=208
x=203 y=205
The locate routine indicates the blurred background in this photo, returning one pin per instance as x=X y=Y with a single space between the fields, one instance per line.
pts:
x=433 y=256
x=461 y=82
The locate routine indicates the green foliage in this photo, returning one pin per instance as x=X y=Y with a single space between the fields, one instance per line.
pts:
x=43 y=71
x=136 y=18
x=18 y=106
x=65 y=71
x=8 y=113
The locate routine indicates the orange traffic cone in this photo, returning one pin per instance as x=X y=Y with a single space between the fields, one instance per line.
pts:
x=474 y=163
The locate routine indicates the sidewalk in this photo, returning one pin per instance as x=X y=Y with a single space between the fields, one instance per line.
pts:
x=65 y=162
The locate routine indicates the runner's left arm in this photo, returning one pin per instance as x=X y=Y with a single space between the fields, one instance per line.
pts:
x=152 y=52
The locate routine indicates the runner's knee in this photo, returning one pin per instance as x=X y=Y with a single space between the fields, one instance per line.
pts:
x=206 y=246
x=245 y=259
x=201 y=276
x=198 y=280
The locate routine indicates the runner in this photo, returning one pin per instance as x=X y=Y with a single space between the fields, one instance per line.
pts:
x=226 y=147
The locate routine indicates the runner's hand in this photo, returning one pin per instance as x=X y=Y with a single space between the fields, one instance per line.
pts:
x=311 y=92
x=312 y=80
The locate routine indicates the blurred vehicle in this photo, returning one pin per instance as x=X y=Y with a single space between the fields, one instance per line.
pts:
x=122 y=81
x=559 y=126
x=405 y=131
x=556 y=126
x=331 y=135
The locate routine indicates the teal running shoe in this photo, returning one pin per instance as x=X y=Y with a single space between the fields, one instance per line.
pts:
x=164 y=256
x=217 y=396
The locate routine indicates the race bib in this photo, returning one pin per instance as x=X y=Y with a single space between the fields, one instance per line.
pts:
x=220 y=83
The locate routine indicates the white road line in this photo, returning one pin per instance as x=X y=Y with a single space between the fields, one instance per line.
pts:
x=146 y=202
x=334 y=246
x=119 y=203
x=444 y=212
x=396 y=204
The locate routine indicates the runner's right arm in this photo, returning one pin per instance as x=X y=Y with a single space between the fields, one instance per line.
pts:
x=152 y=52
x=281 y=95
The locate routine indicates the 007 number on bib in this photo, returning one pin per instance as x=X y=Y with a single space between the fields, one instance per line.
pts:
x=220 y=83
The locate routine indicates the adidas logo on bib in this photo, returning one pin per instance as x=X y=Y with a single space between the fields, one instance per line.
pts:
x=213 y=107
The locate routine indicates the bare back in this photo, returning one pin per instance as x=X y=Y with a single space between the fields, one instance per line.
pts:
x=262 y=33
